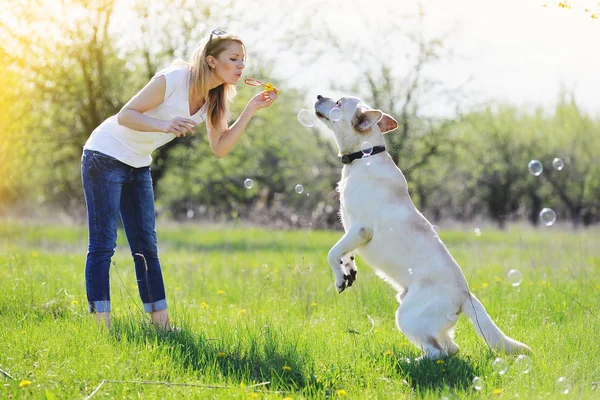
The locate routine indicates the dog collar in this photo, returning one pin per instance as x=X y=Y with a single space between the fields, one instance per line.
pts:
x=348 y=158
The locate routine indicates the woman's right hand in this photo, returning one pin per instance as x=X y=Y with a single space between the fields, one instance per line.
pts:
x=179 y=126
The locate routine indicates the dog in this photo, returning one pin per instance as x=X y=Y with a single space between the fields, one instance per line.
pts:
x=382 y=224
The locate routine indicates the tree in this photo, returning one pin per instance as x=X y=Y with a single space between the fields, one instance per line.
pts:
x=66 y=56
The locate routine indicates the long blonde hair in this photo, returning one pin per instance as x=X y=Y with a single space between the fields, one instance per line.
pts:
x=219 y=97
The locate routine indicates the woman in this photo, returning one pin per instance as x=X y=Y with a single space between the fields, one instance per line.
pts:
x=116 y=159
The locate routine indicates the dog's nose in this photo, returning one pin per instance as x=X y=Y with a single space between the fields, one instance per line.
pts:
x=319 y=97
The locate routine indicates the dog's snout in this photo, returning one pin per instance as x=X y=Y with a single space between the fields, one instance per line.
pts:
x=319 y=97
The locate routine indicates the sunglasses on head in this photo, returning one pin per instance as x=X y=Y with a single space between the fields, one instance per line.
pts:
x=215 y=32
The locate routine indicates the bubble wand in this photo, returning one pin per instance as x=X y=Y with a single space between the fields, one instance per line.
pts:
x=268 y=86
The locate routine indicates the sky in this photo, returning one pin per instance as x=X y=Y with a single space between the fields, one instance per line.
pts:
x=514 y=51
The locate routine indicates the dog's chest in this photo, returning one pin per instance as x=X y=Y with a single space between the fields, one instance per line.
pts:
x=355 y=201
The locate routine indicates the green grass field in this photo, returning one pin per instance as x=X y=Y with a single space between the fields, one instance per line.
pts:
x=260 y=318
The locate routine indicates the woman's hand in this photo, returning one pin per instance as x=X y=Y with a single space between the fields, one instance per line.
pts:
x=179 y=126
x=262 y=100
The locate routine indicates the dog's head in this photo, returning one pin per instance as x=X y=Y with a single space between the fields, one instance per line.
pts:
x=358 y=123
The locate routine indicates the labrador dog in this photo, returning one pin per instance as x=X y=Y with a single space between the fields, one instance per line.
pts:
x=382 y=224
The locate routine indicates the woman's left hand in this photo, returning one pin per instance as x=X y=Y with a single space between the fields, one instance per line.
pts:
x=262 y=100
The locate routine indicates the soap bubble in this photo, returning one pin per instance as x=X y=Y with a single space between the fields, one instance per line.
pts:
x=535 y=167
x=558 y=164
x=306 y=118
x=299 y=188
x=335 y=114
x=477 y=231
x=366 y=148
x=515 y=277
x=500 y=366
x=478 y=383
x=523 y=363
x=249 y=183
x=563 y=385
x=547 y=216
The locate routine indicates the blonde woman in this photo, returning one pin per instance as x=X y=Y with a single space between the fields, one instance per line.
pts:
x=116 y=159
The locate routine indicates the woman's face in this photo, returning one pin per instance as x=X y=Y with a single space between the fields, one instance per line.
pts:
x=230 y=64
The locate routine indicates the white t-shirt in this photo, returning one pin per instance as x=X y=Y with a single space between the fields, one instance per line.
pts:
x=133 y=147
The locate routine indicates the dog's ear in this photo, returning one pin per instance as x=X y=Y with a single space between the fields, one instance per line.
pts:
x=387 y=123
x=364 y=119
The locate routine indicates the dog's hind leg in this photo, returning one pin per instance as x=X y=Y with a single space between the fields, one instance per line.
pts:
x=427 y=319
x=353 y=238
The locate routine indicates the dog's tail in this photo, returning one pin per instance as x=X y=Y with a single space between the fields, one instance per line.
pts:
x=487 y=329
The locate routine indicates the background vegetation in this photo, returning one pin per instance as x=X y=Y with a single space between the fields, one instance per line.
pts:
x=66 y=66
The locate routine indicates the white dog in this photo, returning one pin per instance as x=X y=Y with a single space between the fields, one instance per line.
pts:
x=383 y=225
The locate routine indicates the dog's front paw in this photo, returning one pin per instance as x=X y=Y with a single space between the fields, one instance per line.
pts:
x=350 y=270
x=348 y=273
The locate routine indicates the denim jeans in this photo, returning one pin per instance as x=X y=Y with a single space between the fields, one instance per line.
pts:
x=113 y=188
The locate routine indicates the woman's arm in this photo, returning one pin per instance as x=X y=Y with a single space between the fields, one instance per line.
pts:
x=222 y=138
x=132 y=114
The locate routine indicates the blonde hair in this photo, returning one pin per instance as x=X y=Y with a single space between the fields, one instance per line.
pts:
x=218 y=98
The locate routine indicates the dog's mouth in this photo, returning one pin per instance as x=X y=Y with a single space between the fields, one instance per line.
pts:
x=320 y=114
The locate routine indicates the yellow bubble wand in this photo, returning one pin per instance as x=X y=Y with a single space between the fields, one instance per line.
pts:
x=268 y=86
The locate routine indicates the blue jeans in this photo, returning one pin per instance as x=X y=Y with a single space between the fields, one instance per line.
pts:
x=112 y=188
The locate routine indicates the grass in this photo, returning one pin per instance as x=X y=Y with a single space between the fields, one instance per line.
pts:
x=261 y=319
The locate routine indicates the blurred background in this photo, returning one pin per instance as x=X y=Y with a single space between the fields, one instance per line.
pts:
x=479 y=88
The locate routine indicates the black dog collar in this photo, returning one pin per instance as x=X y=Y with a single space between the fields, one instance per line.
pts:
x=348 y=158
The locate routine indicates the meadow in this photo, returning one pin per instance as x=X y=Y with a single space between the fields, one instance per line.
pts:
x=260 y=319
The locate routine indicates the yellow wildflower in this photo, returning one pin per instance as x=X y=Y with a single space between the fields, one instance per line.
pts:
x=203 y=305
x=440 y=362
x=498 y=279
x=253 y=395
x=177 y=288
x=388 y=353
x=484 y=285
x=242 y=311
x=24 y=383
x=497 y=392
x=74 y=302
x=221 y=354
x=341 y=393
x=313 y=304
x=287 y=368
x=287 y=398
x=220 y=292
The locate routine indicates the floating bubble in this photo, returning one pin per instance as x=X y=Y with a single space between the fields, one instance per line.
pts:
x=515 y=277
x=567 y=160
x=535 y=167
x=410 y=271
x=190 y=214
x=478 y=383
x=500 y=366
x=563 y=385
x=558 y=164
x=335 y=114
x=523 y=364
x=548 y=216
x=306 y=118
x=477 y=231
x=249 y=183
x=299 y=188
x=366 y=148
x=436 y=228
